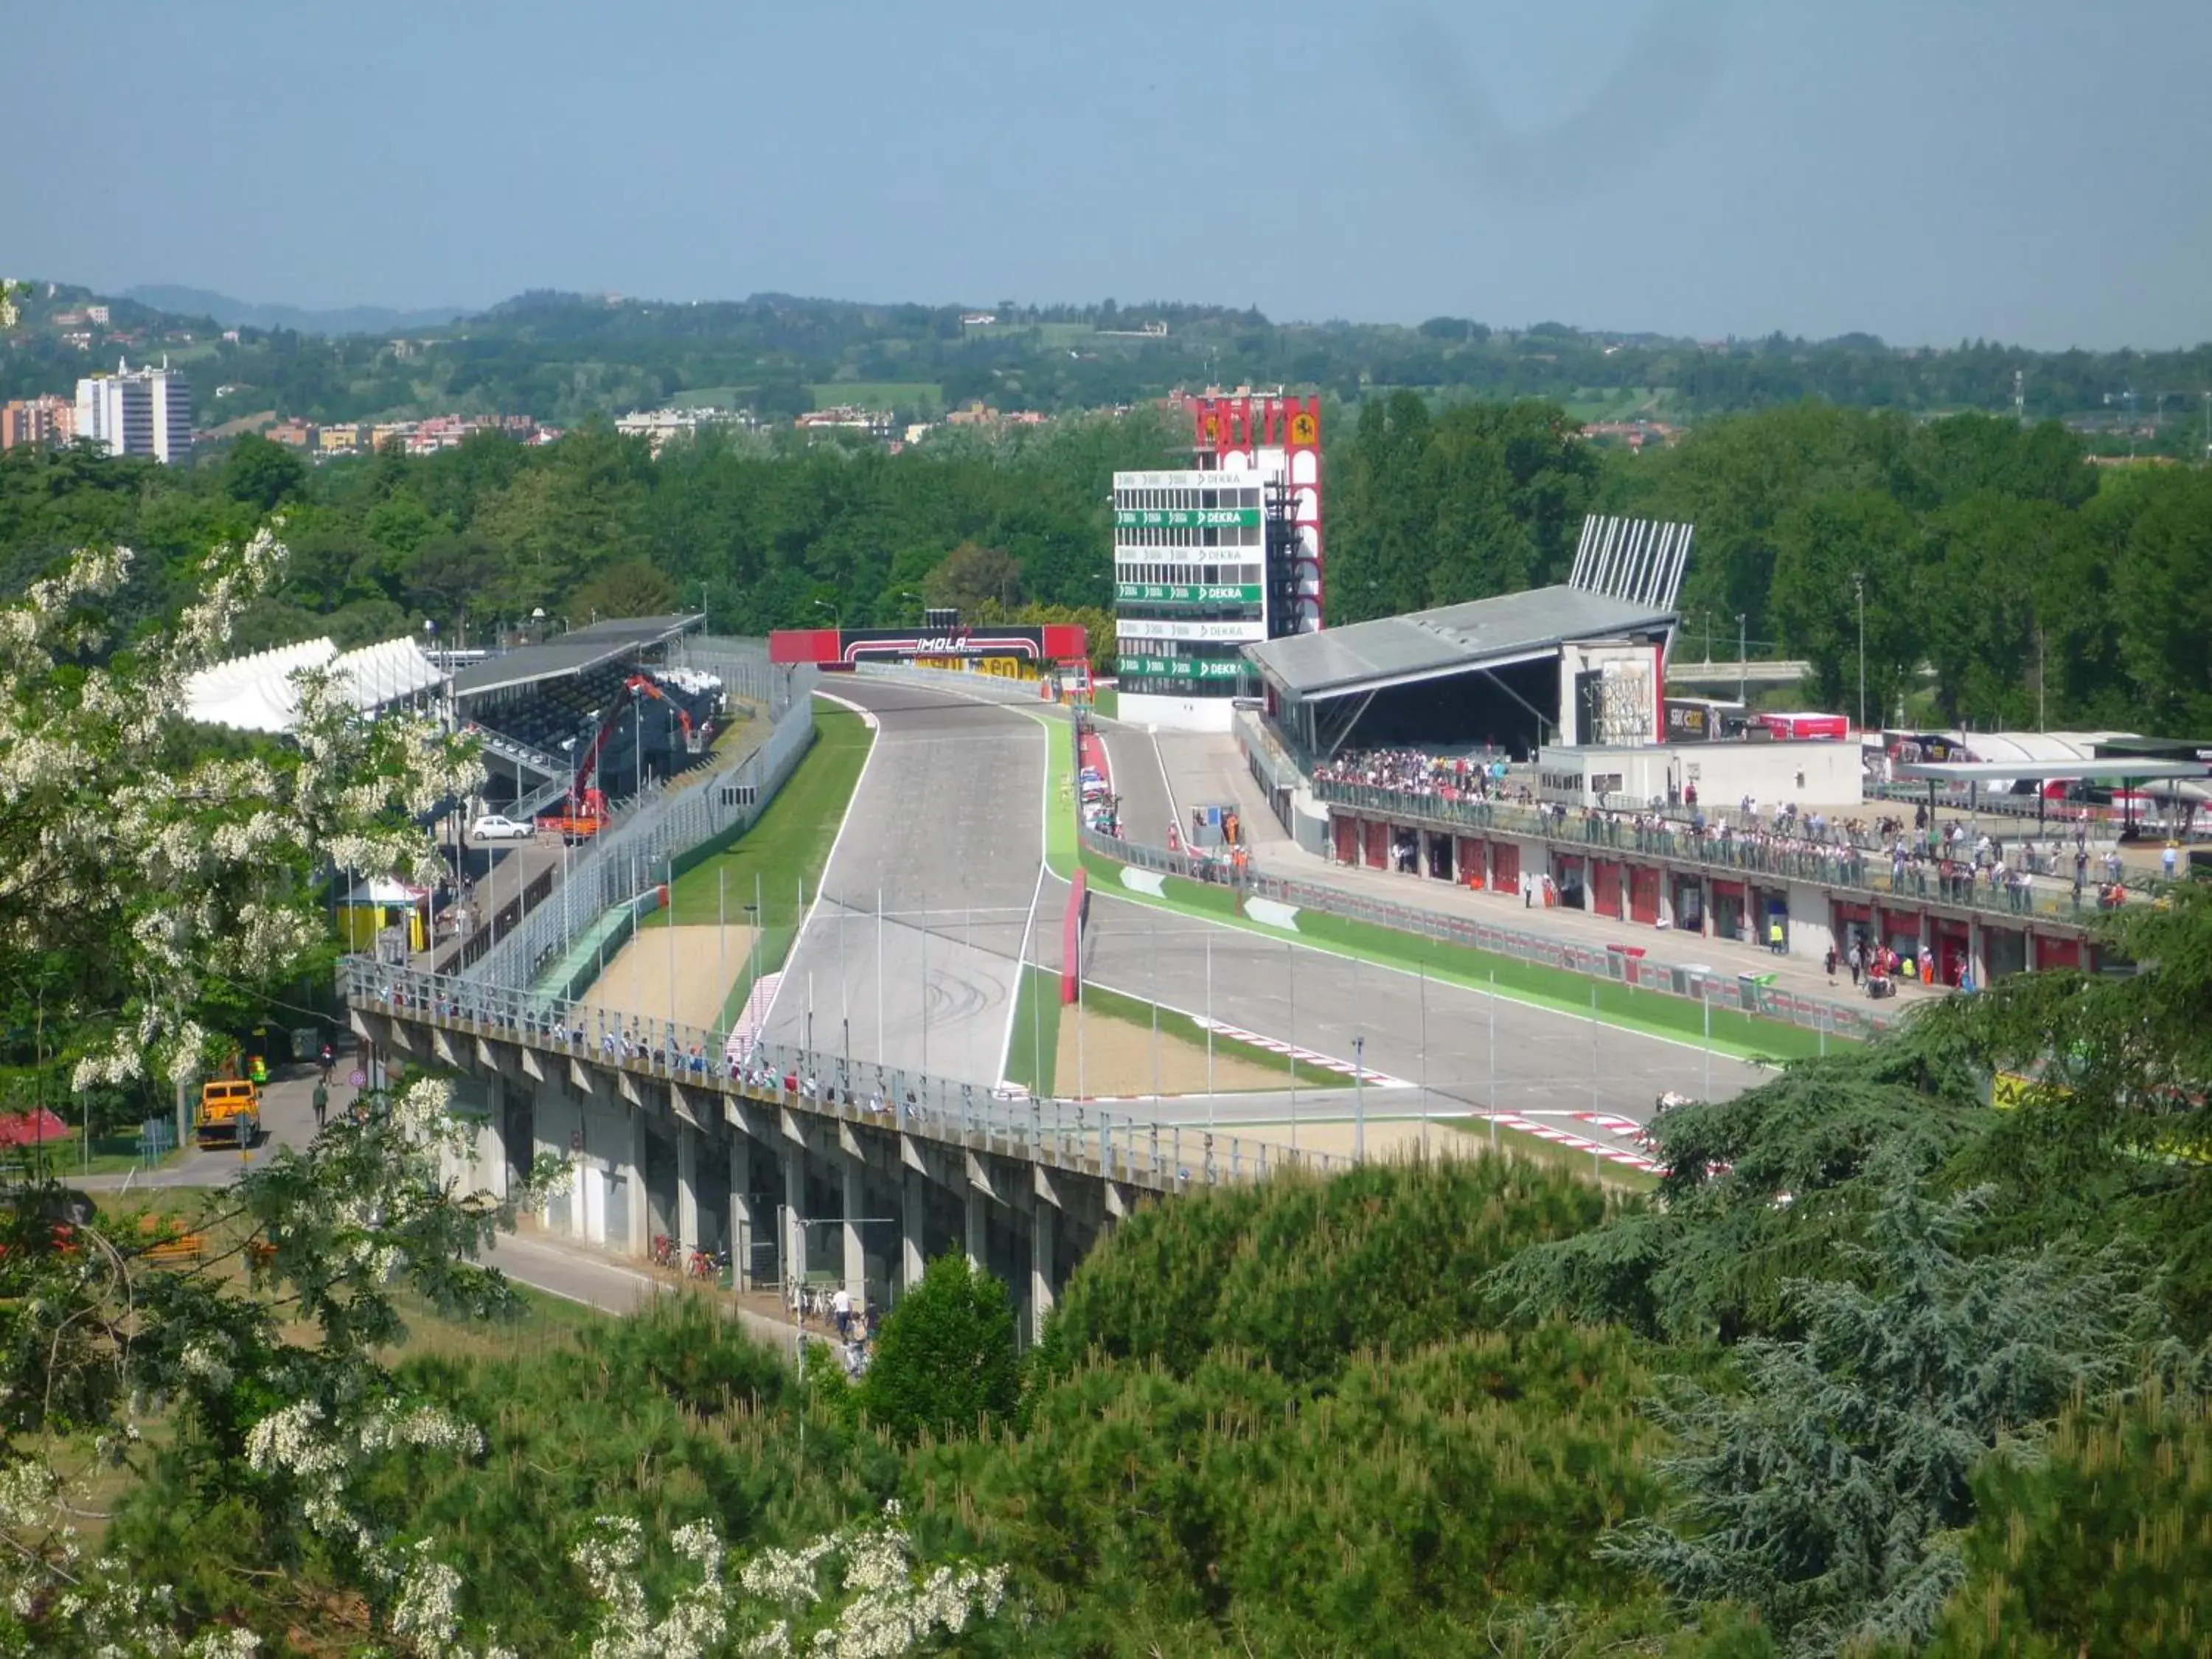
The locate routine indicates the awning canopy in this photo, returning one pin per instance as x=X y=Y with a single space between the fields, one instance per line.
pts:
x=575 y=651
x=2112 y=771
x=1452 y=639
x=260 y=693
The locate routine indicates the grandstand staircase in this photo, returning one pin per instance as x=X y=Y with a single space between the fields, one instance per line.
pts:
x=519 y=752
x=745 y=1028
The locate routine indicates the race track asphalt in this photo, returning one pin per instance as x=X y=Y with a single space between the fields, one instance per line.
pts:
x=947 y=821
x=946 y=831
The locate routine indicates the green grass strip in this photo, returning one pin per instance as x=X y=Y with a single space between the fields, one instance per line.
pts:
x=781 y=858
x=1032 y=1055
x=1742 y=1036
x=1176 y=1026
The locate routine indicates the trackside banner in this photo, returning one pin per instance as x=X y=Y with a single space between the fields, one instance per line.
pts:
x=831 y=647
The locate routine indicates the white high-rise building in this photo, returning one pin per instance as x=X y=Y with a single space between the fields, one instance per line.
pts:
x=137 y=411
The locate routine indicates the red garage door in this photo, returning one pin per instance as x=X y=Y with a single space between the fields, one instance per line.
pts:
x=1505 y=868
x=2058 y=953
x=1643 y=883
x=1347 y=838
x=1604 y=888
x=1470 y=861
x=1378 y=847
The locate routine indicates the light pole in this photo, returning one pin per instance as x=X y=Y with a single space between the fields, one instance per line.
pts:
x=538 y=624
x=1741 y=680
x=916 y=598
x=1360 y=1099
x=1858 y=586
x=836 y=615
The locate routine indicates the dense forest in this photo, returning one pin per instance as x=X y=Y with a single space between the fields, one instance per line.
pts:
x=2006 y=580
x=561 y=357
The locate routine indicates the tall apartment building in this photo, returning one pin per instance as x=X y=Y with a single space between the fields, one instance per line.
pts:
x=137 y=411
x=47 y=420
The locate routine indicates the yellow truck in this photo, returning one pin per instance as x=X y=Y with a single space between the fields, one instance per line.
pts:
x=230 y=1113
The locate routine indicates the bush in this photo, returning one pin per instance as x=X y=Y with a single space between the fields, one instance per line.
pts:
x=944 y=1359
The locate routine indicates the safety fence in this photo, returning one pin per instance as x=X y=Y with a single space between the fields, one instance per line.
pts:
x=662 y=833
x=1075 y=1135
x=1748 y=993
x=988 y=687
x=1945 y=881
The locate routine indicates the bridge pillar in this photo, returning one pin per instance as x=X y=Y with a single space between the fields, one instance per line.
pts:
x=794 y=1218
x=637 y=1203
x=979 y=1257
x=741 y=1211
x=1041 y=1216
x=913 y=1205
x=856 y=1255
x=687 y=1188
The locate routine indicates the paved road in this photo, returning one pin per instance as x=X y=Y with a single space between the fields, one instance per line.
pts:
x=945 y=819
x=947 y=833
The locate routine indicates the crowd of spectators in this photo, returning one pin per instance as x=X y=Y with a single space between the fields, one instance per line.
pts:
x=1928 y=859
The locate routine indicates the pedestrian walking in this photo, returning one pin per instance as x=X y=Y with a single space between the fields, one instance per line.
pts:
x=322 y=1098
x=1832 y=964
x=1857 y=961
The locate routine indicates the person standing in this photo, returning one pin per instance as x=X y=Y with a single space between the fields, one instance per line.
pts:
x=2170 y=861
x=1832 y=963
x=322 y=1099
x=1857 y=964
x=840 y=1309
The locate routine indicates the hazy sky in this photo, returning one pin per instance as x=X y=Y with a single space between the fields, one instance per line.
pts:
x=1927 y=170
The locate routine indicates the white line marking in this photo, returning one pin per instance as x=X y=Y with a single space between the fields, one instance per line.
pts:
x=1029 y=926
x=829 y=864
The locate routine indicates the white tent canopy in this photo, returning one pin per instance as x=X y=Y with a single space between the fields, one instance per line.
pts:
x=259 y=693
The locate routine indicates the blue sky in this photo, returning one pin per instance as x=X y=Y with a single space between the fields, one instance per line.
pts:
x=1927 y=170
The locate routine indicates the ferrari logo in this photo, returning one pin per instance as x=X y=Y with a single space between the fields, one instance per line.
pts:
x=1303 y=426
x=1211 y=428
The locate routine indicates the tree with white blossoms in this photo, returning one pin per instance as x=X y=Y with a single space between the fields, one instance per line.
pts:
x=137 y=891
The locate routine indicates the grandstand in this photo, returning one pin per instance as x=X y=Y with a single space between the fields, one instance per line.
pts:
x=597 y=707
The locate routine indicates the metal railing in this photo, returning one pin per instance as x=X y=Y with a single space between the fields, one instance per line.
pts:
x=1747 y=993
x=1075 y=1135
x=1867 y=870
x=652 y=836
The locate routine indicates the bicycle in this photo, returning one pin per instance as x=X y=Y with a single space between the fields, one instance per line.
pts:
x=664 y=1251
x=708 y=1265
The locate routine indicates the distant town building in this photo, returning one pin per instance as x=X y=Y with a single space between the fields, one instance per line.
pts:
x=661 y=427
x=141 y=411
x=47 y=420
x=844 y=417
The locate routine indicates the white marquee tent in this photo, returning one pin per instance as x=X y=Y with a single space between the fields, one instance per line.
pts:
x=258 y=693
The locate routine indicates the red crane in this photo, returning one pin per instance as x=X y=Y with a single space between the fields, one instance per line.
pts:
x=585 y=812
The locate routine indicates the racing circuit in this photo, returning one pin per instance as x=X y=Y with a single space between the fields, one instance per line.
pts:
x=945 y=833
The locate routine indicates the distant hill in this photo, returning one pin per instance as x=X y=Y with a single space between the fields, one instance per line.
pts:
x=244 y=314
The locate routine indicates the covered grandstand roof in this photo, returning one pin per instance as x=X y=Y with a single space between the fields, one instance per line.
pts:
x=1453 y=639
x=2115 y=770
x=258 y=693
x=572 y=652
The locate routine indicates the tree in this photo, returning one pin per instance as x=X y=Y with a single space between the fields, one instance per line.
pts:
x=1826 y=548
x=260 y=474
x=632 y=589
x=969 y=575
x=944 y=1359
x=1827 y=1493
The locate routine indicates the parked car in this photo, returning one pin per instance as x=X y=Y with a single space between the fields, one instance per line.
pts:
x=493 y=827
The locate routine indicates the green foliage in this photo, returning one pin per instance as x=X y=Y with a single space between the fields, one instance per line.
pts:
x=945 y=1358
x=1824 y=1491
x=1302 y=1273
x=2102 y=1543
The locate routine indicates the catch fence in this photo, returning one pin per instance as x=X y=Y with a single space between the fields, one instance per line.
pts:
x=1075 y=1135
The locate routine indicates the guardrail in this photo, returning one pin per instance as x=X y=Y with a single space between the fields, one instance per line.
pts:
x=1863 y=870
x=1070 y=1134
x=1741 y=992
x=663 y=831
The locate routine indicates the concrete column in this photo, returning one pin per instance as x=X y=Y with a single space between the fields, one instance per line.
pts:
x=636 y=1207
x=687 y=1188
x=794 y=1200
x=742 y=1220
x=1042 y=1217
x=913 y=1205
x=856 y=1255
x=979 y=1255
x=491 y=1144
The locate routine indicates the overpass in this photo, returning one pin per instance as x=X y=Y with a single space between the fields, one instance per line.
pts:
x=800 y=1164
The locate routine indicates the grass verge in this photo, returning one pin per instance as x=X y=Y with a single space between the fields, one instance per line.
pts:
x=1035 y=1046
x=1746 y=1036
x=781 y=859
